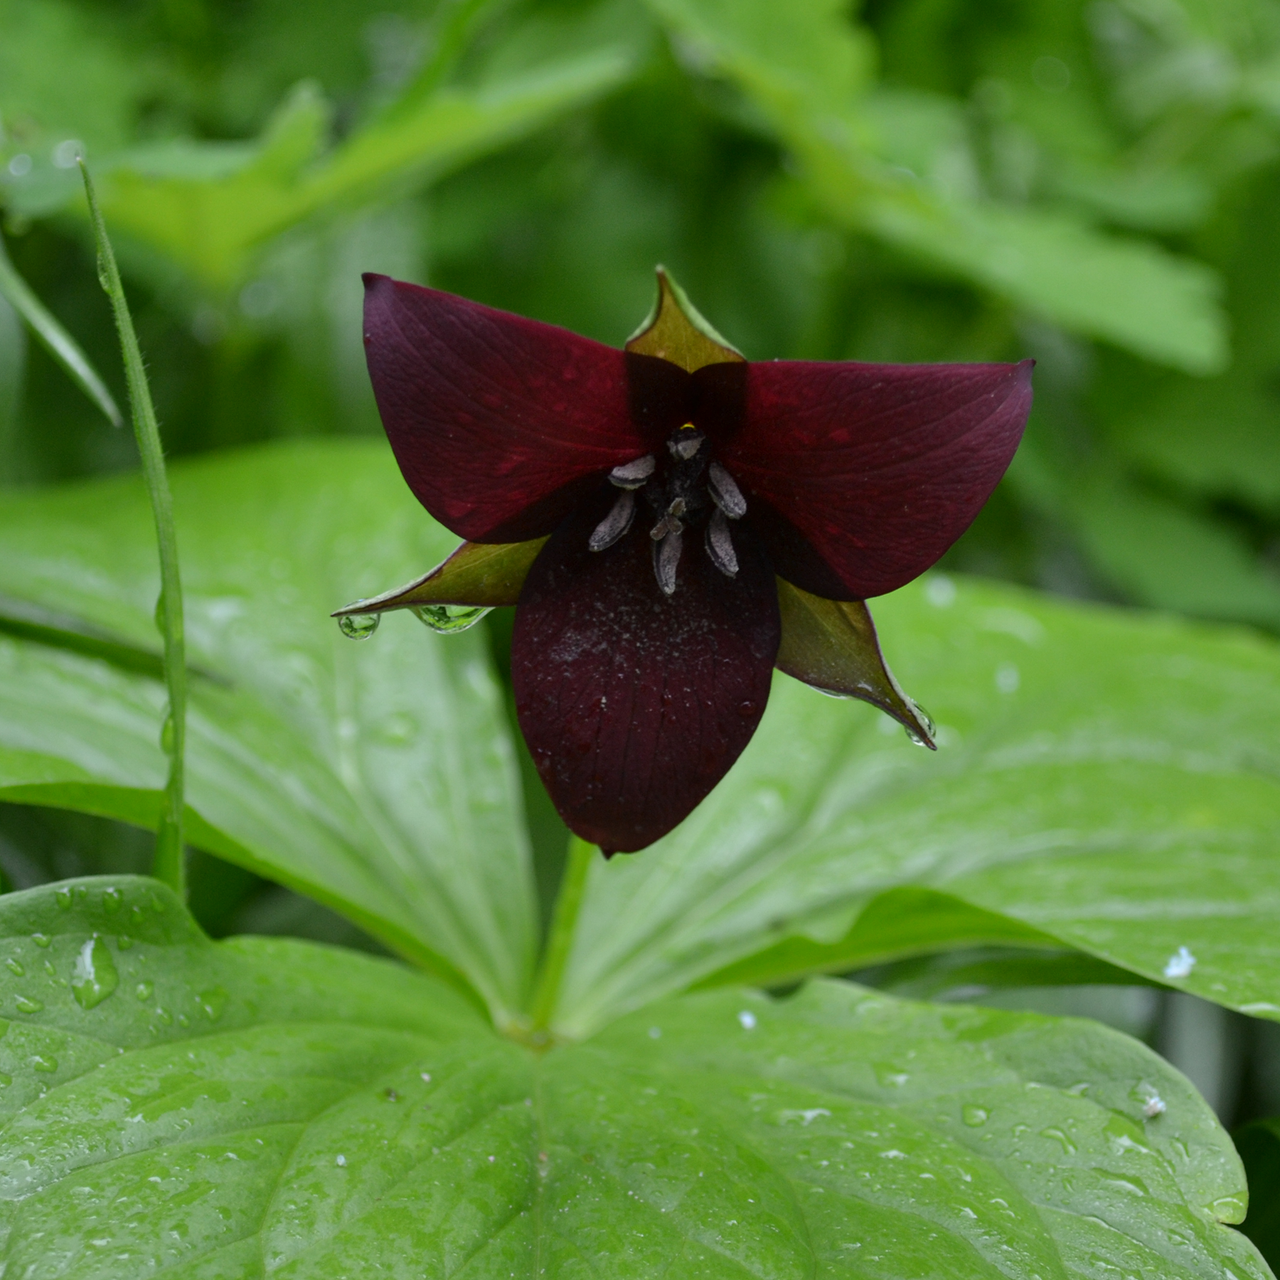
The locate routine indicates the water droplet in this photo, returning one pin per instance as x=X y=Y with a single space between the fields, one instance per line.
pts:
x=27 y=1005
x=14 y=967
x=1058 y=1136
x=41 y=939
x=398 y=729
x=449 y=619
x=426 y=1077
x=104 y=276
x=926 y=719
x=340 y=1161
x=655 y=1033
x=1180 y=964
x=45 y=1062
x=112 y=899
x=1154 y=1106
x=63 y=898
x=124 y=942
x=94 y=977
x=359 y=626
x=143 y=990
x=974 y=1116
x=213 y=1002
x=747 y=1020
x=164 y=1016
x=167 y=735
x=1228 y=1209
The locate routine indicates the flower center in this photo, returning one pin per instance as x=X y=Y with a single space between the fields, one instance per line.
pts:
x=686 y=489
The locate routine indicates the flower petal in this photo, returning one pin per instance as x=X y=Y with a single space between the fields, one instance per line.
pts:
x=484 y=574
x=832 y=645
x=499 y=423
x=859 y=476
x=634 y=705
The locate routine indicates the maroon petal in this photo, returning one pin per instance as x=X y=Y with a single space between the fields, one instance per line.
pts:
x=500 y=424
x=859 y=476
x=635 y=705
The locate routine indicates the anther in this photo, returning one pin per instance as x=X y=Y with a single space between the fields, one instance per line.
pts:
x=725 y=492
x=720 y=545
x=686 y=443
x=632 y=475
x=670 y=522
x=615 y=524
x=666 y=556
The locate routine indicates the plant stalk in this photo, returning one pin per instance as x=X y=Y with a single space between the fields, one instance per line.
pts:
x=57 y=341
x=169 y=864
x=564 y=923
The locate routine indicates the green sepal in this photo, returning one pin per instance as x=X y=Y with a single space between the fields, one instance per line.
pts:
x=832 y=645
x=482 y=574
x=675 y=330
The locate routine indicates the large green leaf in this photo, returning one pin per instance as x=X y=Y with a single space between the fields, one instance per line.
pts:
x=1105 y=780
x=378 y=777
x=262 y=1108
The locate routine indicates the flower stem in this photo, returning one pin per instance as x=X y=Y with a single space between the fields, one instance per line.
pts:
x=169 y=865
x=59 y=343
x=564 y=922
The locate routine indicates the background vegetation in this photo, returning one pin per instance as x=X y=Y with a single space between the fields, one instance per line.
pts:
x=1090 y=182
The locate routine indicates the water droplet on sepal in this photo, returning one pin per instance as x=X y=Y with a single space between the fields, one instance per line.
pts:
x=359 y=626
x=449 y=619
x=926 y=719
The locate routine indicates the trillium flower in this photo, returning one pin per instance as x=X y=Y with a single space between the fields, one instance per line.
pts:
x=671 y=522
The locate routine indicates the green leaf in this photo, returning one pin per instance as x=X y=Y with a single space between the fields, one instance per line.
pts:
x=1104 y=781
x=1259 y=1146
x=280 y=1109
x=210 y=207
x=376 y=777
x=1125 y=291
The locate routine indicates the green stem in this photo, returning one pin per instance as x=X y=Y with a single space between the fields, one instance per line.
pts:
x=564 y=922
x=59 y=343
x=169 y=865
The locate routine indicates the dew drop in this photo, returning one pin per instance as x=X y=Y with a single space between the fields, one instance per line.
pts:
x=143 y=990
x=44 y=1062
x=27 y=1005
x=14 y=967
x=912 y=735
x=747 y=1020
x=94 y=977
x=974 y=1116
x=449 y=619
x=1068 y=1147
x=112 y=900
x=41 y=939
x=213 y=1002
x=166 y=736
x=63 y=898
x=124 y=942
x=1180 y=964
x=358 y=626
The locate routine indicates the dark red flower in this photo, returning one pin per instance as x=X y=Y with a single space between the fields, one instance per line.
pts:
x=672 y=522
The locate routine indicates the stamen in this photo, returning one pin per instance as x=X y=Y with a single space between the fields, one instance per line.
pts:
x=725 y=492
x=686 y=445
x=671 y=522
x=666 y=555
x=615 y=524
x=632 y=475
x=720 y=545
